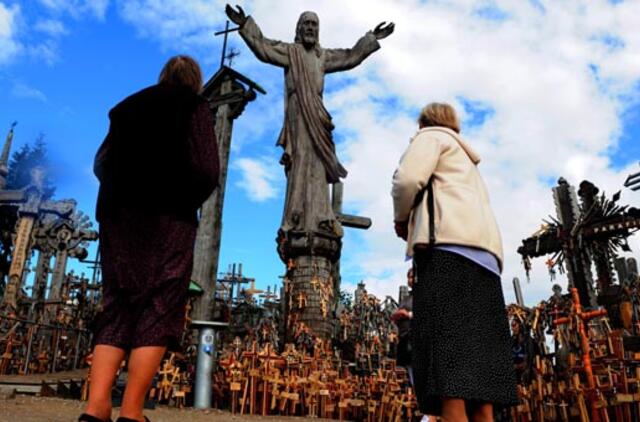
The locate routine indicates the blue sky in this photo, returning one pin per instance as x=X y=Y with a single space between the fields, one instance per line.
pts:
x=520 y=74
x=95 y=65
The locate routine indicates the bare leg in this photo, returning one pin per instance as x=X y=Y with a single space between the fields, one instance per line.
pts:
x=143 y=365
x=104 y=366
x=453 y=410
x=483 y=413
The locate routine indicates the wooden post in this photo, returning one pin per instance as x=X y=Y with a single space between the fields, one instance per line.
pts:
x=23 y=240
x=227 y=98
x=207 y=248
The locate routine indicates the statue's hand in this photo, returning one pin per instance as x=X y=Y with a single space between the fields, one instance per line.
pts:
x=236 y=16
x=383 y=31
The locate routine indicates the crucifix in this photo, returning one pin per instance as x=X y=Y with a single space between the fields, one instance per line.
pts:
x=347 y=220
x=584 y=233
x=633 y=182
x=233 y=53
x=31 y=206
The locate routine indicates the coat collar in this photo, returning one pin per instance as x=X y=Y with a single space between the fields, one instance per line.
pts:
x=475 y=158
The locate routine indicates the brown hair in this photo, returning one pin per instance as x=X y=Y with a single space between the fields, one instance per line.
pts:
x=183 y=71
x=439 y=114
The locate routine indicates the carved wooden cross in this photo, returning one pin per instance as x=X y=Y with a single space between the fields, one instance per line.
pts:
x=352 y=221
x=347 y=220
x=31 y=206
x=579 y=233
x=302 y=300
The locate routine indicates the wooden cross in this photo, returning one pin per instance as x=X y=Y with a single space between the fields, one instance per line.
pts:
x=581 y=231
x=251 y=384
x=233 y=52
x=582 y=317
x=275 y=392
x=352 y=221
x=302 y=300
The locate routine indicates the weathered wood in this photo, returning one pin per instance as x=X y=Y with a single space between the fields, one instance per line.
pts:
x=227 y=98
x=207 y=247
x=354 y=221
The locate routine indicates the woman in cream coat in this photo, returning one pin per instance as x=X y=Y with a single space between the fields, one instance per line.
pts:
x=459 y=333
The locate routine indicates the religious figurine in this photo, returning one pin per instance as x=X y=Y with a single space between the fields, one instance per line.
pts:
x=309 y=156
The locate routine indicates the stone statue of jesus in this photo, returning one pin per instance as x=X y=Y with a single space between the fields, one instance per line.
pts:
x=309 y=156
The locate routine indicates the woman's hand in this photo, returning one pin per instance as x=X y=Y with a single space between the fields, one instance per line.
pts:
x=401 y=314
x=402 y=229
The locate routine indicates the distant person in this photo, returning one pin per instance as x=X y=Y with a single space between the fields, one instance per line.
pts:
x=459 y=334
x=157 y=165
x=402 y=318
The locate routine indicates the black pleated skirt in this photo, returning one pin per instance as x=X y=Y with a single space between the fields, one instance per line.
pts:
x=459 y=334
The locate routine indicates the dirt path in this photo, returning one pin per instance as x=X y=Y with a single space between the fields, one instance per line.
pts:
x=41 y=409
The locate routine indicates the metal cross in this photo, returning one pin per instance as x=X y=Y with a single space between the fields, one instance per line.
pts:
x=233 y=53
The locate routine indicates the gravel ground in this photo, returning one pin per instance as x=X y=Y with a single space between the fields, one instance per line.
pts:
x=44 y=409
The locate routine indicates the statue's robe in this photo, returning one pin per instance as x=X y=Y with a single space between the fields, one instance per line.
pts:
x=309 y=152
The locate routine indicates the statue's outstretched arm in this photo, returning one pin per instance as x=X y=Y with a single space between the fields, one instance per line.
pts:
x=338 y=59
x=265 y=49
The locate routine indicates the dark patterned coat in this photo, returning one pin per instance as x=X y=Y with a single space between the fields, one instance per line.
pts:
x=157 y=165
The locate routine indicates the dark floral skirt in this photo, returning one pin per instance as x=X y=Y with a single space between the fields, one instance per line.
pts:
x=459 y=334
x=146 y=268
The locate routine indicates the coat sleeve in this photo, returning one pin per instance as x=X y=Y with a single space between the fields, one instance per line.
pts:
x=101 y=158
x=104 y=155
x=203 y=153
x=416 y=167
x=338 y=59
x=265 y=49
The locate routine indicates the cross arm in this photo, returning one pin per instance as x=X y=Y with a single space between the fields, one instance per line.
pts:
x=12 y=196
x=354 y=221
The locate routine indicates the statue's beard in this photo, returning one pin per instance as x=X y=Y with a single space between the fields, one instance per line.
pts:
x=309 y=41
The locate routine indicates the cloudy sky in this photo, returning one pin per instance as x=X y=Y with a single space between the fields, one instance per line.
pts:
x=545 y=89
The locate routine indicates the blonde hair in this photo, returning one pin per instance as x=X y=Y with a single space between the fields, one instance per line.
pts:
x=439 y=114
x=182 y=71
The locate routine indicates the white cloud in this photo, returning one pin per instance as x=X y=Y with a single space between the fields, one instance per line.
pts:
x=35 y=32
x=51 y=27
x=77 y=8
x=258 y=178
x=22 y=90
x=9 y=45
x=557 y=77
x=178 y=24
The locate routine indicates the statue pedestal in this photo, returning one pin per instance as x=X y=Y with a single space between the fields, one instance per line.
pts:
x=309 y=289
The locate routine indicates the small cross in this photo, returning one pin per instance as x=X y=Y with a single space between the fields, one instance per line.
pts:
x=233 y=53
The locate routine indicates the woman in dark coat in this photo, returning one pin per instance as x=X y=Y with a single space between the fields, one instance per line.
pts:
x=157 y=165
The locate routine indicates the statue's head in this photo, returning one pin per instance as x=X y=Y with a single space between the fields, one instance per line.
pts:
x=308 y=29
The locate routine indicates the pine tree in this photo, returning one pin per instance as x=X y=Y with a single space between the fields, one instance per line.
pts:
x=25 y=160
x=22 y=162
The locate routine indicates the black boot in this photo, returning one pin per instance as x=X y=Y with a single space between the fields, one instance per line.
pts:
x=122 y=419
x=88 y=418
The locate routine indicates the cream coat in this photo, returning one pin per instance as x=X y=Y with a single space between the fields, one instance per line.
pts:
x=462 y=212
